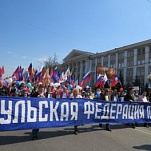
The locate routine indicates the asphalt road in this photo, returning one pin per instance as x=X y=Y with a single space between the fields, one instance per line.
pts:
x=89 y=138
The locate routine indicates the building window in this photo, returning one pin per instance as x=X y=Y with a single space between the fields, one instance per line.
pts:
x=93 y=61
x=121 y=56
x=140 y=71
x=112 y=65
x=149 y=69
x=130 y=63
x=105 y=59
x=143 y=61
x=119 y=65
x=113 y=57
x=130 y=53
x=149 y=49
x=93 y=67
x=130 y=72
x=99 y=60
x=141 y=51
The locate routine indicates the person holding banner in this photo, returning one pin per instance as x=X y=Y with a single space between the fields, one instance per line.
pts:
x=143 y=98
x=76 y=95
x=130 y=97
x=115 y=96
x=106 y=96
x=39 y=94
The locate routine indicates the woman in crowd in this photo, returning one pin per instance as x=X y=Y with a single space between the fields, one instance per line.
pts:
x=143 y=98
x=76 y=95
x=106 y=96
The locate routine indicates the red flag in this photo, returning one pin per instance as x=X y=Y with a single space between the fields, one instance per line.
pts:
x=43 y=71
x=0 y=73
x=16 y=74
x=114 y=82
x=3 y=71
x=30 y=69
x=82 y=84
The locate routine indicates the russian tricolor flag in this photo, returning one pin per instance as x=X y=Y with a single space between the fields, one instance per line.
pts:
x=87 y=77
x=56 y=75
x=99 y=81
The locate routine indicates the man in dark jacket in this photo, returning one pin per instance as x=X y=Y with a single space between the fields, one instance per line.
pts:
x=130 y=97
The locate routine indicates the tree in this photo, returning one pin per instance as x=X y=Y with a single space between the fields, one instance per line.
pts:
x=51 y=62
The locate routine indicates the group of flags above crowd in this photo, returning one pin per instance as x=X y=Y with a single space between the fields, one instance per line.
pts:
x=47 y=75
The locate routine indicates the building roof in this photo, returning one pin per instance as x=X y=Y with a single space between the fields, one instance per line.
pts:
x=76 y=54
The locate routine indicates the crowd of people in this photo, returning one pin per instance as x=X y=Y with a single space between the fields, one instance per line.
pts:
x=28 y=89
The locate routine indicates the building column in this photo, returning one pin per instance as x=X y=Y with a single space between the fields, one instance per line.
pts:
x=102 y=61
x=95 y=70
x=81 y=71
x=125 y=67
x=146 y=63
x=135 y=63
x=76 y=73
x=88 y=67
x=116 y=61
x=109 y=60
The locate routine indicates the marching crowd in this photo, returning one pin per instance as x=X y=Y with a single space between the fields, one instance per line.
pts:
x=63 y=91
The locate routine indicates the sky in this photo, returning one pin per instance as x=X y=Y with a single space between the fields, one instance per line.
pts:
x=31 y=31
